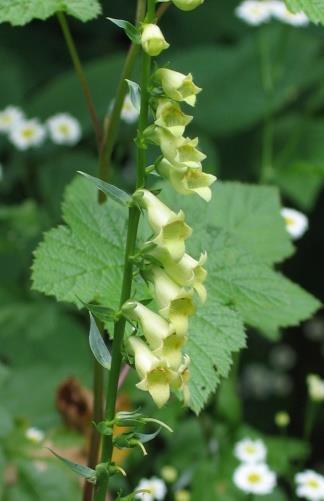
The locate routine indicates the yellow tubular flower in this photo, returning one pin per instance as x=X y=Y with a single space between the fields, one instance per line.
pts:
x=181 y=152
x=177 y=86
x=170 y=351
x=187 y=4
x=188 y=272
x=188 y=181
x=175 y=302
x=154 y=327
x=170 y=227
x=170 y=116
x=156 y=376
x=152 y=39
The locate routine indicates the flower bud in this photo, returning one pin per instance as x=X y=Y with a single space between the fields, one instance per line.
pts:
x=177 y=86
x=156 y=376
x=282 y=419
x=189 y=181
x=188 y=272
x=170 y=116
x=174 y=301
x=187 y=5
x=152 y=39
x=155 y=328
x=170 y=227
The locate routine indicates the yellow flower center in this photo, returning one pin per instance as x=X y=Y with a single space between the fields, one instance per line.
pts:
x=64 y=129
x=254 y=478
x=289 y=221
x=28 y=133
x=250 y=449
x=313 y=483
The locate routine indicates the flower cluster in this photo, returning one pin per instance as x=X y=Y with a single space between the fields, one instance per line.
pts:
x=25 y=133
x=256 y=12
x=173 y=274
x=253 y=475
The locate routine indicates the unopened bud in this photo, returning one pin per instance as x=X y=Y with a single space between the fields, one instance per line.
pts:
x=187 y=5
x=153 y=41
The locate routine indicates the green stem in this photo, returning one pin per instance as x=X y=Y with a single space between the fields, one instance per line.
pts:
x=134 y=216
x=81 y=75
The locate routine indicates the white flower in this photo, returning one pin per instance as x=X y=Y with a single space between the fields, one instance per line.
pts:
x=255 y=478
x=10 y=117
x=315 y=387
x=64 y=129
x=27 y=133
x=310 y=485
x=250 y=451
x=156 y=489
x=280 y=12
x=296 y=222
x=254 y=12
x=129 y=113
x=35 y=435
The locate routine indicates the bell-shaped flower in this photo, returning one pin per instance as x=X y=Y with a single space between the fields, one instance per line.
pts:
x=170 y=350
x=177 y=86
x=152 y=39
x=175 y=302
x=187 y=272
x=155 y=328
x=170 y=116
x=187 y=5
x=188 y=181
x=181 y=152
x=170 y=227
x=156 y=375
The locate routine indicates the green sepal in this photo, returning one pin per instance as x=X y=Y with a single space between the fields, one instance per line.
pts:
x=112 y=191
x=97 y=345
x=83 y=471
x=104 y=428
x=131 y=31
x=147 y=437
x=134 y=94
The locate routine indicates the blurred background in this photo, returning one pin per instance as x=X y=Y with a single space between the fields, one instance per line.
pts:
x=45 y=363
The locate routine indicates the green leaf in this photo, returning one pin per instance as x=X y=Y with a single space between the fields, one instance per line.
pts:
x=21 y=12
x=79 y=469
x=135 y=94
x=97 y=345
x=130 y=30
x=112 y=191
x=84 y=259
x=216 y=332
x=101 y=312
x=314 y=9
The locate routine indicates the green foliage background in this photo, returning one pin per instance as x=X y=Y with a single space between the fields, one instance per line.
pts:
x=44 y=342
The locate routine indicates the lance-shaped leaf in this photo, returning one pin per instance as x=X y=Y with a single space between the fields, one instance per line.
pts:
x=81 y=470
x=112 y=191
x=135 y=94
x=97 y=345
x=147 y=437
x=103 y=313
x=130 y=30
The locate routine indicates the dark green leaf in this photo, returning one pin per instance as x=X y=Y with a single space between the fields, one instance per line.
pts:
x=130 y=30
x=79 y=469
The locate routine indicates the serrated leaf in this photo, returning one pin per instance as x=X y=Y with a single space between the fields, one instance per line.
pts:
x=112 y=191
x=79 y=469
x=216 y=332
x=85 y=258
x=97 y=345
x=130 y=30
x=135 y=94
x=21 y=12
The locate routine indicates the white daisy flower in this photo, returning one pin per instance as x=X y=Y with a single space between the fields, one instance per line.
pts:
x=315 y=387
x=27 y=133
x=64 y=129
x=310 y=485
x=10 y=117
x=280 y=12
x=255 y=478
x=250 y=451
x=129 y=113
x=155 y=487
x=35 y=435
x=254 y=12
x=296 y=222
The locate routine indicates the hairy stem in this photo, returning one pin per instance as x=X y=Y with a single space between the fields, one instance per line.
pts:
x=134 y=216
x=81 y=75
